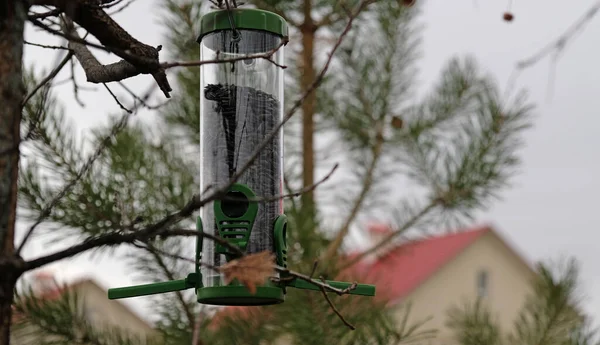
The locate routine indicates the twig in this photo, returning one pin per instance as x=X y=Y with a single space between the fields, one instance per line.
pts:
x=337 y=312
x=116 y=99
x=147 y=246
x=285 y=196
x=133 y=94
x=120 y=9
x=314 y=268
x=306 y=278
x=217 y=239
x=391 y=236
x=556 y=46
x=559 y=43
x=75 y=86
x=45 y=46
x=49 y=77
x=44 y=15
x=267 y=55
x=110 y=3
x=84 y=169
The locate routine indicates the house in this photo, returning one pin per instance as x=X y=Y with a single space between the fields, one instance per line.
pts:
x=437 y=273
x=440 y=272
x=96 y=308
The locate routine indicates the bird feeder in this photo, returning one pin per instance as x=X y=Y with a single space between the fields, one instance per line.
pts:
x=241 y=104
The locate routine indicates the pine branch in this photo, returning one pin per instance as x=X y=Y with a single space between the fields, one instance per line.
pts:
x=413 y=220
x=552 y=311
x=366 y=108
x=79 y=174
x=169 y=275
x=61 y=319
x=474 y=325
x=367 y=183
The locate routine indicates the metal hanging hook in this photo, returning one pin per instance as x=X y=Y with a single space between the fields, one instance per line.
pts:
x=236 y=35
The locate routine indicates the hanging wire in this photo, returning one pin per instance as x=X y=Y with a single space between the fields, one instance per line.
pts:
x=236 y=35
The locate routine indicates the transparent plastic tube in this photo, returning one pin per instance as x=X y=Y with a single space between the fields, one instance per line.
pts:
x=240 y=105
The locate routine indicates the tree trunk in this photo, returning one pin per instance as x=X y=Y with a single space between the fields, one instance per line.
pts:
x=308 y=29
x=12 y=21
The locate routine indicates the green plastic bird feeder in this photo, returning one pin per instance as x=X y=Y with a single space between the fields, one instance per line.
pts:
x=241 y=103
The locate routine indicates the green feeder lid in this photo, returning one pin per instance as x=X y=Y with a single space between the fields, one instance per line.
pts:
x=249 y=19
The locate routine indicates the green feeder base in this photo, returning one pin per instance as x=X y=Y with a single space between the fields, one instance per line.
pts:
x=239 y=295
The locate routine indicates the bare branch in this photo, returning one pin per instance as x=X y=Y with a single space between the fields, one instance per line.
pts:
x=45 y=46
x=267 y=56
x=368 y=180
x=117 y=99
x=411 y=222
x=559 y=44
x=48 y=78
x=75 y=85
x=160 y=228
x=95 y=72
x=114 y=38
x=43 y=15
x=120 y=9
x=288 y=195
x=292 y=274
x=137 y=98
x=217 y=239
x=555 y=48
x=149 y=247
x=314 y=268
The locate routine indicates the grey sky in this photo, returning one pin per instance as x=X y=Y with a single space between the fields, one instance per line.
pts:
x=549 y=212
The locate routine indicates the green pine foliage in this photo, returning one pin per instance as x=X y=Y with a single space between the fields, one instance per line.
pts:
x=551 y=315
x=61 y=320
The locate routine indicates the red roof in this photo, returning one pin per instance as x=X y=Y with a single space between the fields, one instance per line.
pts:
x=403 y=268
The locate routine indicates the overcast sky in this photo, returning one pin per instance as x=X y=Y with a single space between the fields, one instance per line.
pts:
x=550 y=210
